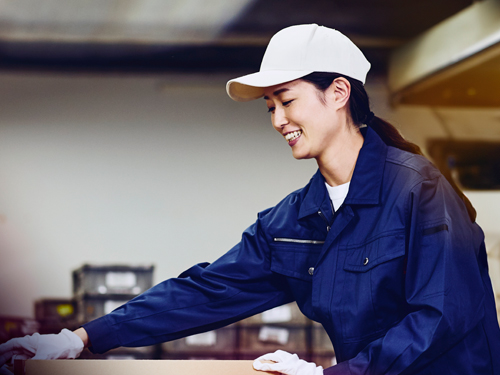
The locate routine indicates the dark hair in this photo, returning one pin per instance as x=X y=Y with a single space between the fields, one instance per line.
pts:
x=359 y=106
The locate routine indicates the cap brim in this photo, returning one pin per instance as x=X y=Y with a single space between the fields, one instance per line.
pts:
x=251 y=86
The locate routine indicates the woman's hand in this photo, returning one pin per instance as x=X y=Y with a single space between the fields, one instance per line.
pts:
x=65 y=344
x=286 y=363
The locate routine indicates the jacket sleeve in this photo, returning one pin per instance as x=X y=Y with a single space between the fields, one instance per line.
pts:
x=203 y=298
x=443 y=286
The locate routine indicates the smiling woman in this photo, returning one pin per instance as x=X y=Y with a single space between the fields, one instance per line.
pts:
x=378 y=247
x=317 y=124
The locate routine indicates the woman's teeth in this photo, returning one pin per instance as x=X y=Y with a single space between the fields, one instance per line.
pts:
x=293 y=135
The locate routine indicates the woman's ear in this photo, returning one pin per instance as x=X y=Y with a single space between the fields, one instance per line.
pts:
x=339 y=92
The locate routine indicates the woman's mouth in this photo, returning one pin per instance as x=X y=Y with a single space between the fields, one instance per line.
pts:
x=292 y=136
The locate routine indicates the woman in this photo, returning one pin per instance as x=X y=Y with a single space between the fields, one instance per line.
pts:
x=378 y=246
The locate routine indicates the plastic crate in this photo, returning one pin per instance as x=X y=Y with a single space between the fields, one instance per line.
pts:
x=223 y=341
x=263 y=339
x=55 y=310
x=90 y=307
x=285 y=315
x=112 y=279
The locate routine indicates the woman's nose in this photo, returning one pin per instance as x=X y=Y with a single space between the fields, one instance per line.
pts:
x=279 y=118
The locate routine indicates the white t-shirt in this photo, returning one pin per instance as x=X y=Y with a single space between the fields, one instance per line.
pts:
x=337 y=194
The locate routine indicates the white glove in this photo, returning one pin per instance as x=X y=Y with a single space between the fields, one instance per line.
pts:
x=286 y=363
x=65 y=345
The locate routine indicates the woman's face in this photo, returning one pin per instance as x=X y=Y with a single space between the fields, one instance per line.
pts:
x=307 y=118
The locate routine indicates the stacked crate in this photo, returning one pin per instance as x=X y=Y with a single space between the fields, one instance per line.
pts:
x=283 y=327
x=98 y=290
x=217 y=344
x=321 y=347
x=54 y=314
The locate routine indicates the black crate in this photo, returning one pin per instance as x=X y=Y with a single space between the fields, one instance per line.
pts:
x=55 y=310
x=285 y=315
x=11 y=327
x=90 y=307
x=220 y=341
x=112 y=279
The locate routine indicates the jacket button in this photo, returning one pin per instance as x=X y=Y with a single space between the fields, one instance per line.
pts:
x=311 y=271
x=365 y=262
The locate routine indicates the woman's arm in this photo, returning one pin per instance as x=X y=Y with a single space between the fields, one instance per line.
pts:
x=203 y=298
x=81 y=333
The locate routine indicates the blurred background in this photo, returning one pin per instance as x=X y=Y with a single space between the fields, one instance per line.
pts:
x=119 y=145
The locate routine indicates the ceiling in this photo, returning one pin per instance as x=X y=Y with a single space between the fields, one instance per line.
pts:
x=455 y=63
x=195 y=35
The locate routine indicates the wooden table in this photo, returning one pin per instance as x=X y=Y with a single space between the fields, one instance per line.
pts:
x=134 y=367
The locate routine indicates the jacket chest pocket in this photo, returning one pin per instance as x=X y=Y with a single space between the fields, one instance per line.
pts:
x=373 y=287
x=295 y=258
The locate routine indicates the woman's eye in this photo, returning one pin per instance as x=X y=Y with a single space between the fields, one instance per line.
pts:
x=284 y=104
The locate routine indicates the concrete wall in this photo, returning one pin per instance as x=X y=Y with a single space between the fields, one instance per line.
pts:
x=139 y=170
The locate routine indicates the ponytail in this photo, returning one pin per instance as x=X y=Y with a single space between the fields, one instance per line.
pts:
x=359 y=106
x=392 y=137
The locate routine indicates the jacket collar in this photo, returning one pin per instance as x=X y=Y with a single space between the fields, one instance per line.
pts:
x=366 y=180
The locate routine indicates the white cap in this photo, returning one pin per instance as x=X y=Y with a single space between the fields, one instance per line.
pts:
x=297 y=51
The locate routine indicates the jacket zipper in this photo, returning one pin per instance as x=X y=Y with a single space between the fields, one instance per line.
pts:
x=322 y=215
x=293 y=240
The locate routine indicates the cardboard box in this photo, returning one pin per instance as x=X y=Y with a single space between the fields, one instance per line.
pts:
x=134 y=367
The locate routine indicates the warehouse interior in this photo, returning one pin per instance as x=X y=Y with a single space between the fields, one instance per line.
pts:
x=120 y=146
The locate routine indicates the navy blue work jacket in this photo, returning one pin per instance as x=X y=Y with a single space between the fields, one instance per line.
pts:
x=398 y=276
